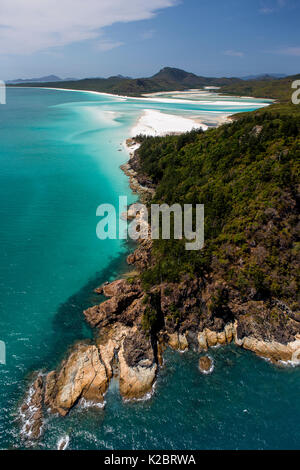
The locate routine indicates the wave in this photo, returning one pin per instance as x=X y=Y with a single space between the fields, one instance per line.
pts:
x=63 y=442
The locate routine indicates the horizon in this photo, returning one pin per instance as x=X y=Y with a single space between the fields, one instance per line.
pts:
x=68 y=78
x=135 y=39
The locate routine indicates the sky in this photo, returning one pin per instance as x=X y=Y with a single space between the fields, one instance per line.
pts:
x=100 y=38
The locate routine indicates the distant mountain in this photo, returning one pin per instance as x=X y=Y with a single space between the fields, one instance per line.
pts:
x=120 y=77
x=48 y=78
x=167 y=79
x=265 y=76
x=188 y=79
x=175 y=75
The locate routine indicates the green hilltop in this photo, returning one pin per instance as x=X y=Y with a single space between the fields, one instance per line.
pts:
x=167 y=79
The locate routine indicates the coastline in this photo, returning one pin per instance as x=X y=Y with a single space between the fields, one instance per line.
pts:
x=175 y=123
x=156 y=123
x=165 y=100
x=137 y=378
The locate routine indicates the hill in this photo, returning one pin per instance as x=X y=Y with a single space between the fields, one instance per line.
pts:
x=279 y=89
x=170 y=79
x=264 y=76
x=247 y=174
x=167 y=79
x=48 y=78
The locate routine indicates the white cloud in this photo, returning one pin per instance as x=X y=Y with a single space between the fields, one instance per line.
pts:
x=107 y=45
x=276 y=6
x=234 y=53
x=148 y=34
x=289 y=51
x=34 y=25
x=267 y=11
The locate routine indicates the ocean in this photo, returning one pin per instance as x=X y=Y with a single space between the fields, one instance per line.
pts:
x=60 y=155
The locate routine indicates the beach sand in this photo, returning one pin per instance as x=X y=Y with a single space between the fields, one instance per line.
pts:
x=156 y=123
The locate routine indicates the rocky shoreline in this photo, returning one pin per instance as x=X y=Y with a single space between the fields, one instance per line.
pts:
x=139 y=183
x=129 y=347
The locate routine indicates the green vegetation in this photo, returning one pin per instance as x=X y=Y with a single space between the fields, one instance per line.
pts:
x=168 y=79
x=278 y=89
x=247 y=174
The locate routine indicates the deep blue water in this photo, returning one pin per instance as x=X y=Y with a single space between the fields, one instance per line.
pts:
x=59 y=159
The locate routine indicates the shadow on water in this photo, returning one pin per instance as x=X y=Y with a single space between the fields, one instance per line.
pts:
x=69 y=324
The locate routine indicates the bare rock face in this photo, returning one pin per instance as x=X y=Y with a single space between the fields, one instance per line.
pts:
x=272 y=350
x=118 y=287
x=121 y=348
x=130 y=352
x=142 y=255
x=137 y=366
x=255 y=320
x=205 y=364
x=122 y=296
x=108 y=311
x=178 y=341
x=210 y=338
x=82 y=375
x=202 y=341
x=86 y=373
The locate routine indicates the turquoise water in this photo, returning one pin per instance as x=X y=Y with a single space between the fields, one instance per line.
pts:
x=59 y=159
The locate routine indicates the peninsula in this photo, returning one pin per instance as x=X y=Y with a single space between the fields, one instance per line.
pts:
x=243 y=287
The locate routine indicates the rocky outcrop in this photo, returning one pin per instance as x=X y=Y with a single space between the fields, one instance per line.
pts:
x=265 y=323
x=178 y=341
x=205 y=364
x=274 y=351
x=120 y=350
x=138 y=366
x=81 y=375
x=117 y=288
x=122 y=296
x=132 y=330
x=141 y=257
x=191 y=320
x=139 y=182
x=209 y=338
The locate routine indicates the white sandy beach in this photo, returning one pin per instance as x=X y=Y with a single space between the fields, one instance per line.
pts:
x=225 y=101
x=155 y=123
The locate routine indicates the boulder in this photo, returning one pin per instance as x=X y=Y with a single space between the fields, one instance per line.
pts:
x=137 y=366
x=178 y=341
x=205 y=364
x=82 y=374
x=211 y=338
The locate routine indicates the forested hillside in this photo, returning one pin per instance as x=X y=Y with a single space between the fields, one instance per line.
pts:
x=247 y=176
x=278 y=89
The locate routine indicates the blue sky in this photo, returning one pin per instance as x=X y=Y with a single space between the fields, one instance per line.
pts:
x=79 y=38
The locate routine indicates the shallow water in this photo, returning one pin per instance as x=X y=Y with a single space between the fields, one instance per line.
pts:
x=246 y=403
x=59 y=159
